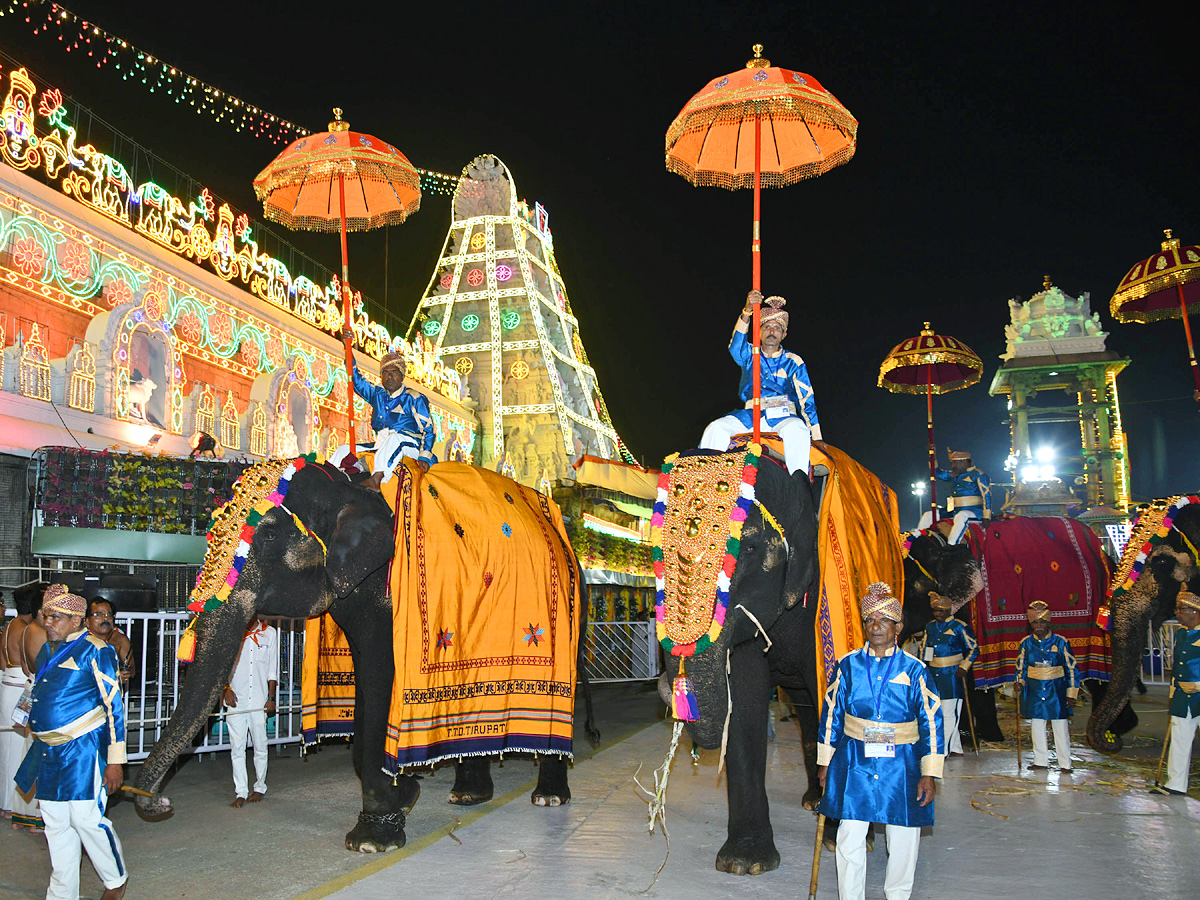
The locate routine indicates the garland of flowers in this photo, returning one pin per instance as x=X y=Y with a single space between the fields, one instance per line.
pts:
x=1149 y=531
x=733 y=544
x=266 y=494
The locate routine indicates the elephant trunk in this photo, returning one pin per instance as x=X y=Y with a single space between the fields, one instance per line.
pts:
x=218 y=636
x=1128 y=640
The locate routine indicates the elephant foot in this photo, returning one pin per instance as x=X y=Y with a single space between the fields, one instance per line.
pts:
x=537 y=798
x=811 y=798
x=993 y=735
x=552 y=788
x=377 y=833
x=472 y=782
x=470 y=798
x=748 y=855
x=1107 y=742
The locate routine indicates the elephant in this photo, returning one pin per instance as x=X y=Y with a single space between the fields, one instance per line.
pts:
x=328 y=550
x=1144 y=605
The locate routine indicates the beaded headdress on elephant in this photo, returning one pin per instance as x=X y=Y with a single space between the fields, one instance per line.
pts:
x=1150 y=530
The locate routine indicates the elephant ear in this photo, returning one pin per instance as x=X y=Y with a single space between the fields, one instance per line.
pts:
x=800 y=529
x=362 y=541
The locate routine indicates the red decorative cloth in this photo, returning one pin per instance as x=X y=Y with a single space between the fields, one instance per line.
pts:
x=1026 y=559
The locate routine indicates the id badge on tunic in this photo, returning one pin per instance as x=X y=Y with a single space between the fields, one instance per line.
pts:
x=20 y=713
x=875 y=751
x=928 y=654
x=879 y=741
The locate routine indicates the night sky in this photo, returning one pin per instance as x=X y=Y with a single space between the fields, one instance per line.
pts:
x=994 y=148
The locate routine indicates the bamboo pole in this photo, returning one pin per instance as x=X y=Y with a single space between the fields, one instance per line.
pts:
x=967 y=706
x=816 y=866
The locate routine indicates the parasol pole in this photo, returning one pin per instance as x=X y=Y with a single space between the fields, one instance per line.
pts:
x=346 y=332
x=932 y=452
x=756 y=273
x=1187 y=329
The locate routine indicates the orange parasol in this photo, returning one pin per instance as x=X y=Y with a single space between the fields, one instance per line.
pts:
x=719 y=135
x=340 y=180
x=1165 y=286
x=930 y=364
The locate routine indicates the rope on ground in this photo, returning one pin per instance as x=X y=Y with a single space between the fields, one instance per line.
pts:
x=656 y=800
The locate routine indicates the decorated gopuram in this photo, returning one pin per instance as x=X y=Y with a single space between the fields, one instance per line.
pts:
x=1056 y=347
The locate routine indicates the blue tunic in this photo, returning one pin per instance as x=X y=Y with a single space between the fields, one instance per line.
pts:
x=407 y=411
x=879 y=789
x=969 y=483
x=77 y=720
x=1047 y=698
x=1186 y=670
x=950 y=638
x=784 y=376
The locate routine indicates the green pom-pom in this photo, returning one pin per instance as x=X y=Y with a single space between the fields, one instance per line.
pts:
x=703 y=644
x=656 y=554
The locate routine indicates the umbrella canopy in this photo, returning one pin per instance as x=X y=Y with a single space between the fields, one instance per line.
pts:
x=805 y=131
x=299 y=188
x=930 y=363
x=1151 y=290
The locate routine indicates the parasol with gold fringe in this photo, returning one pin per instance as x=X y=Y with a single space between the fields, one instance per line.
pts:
x=340 y=180
x=762 y=126
x=930 y=364
x=1164 y=286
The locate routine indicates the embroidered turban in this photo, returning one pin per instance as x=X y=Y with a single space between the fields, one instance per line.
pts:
x=1037 y=611
x=959 y=454
x=879 y=599
x=59 y=599
x=773 y=312
x=1187 y=598
x=937 y=601
x=390 y=360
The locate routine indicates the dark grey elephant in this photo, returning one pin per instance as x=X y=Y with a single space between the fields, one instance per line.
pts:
x=1145 y=605
x=289 y=573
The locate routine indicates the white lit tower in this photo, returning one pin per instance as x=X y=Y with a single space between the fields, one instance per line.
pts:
x=496 y=310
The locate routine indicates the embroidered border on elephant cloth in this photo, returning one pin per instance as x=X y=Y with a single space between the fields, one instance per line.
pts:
x=1023 y=559
x=509 y=579
x=327 y=682
x=687 y=624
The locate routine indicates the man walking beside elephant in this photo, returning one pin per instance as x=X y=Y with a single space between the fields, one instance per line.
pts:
x=1185 y=692
x=1049 y=685
x=880 y=747
x=948 y=648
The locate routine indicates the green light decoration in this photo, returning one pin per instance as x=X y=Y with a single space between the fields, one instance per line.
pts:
x=470 y=322
x=510 y=320
x=432 y=327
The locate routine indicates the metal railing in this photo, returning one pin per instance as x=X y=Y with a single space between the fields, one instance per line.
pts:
x=1159 y=655
x=616 y=651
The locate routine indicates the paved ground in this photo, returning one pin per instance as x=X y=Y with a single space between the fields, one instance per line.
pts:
x=1094 y=834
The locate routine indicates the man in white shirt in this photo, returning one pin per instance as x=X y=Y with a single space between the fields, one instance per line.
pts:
x=249 y=699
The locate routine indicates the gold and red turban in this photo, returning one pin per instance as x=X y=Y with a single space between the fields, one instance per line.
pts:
x=392 y=359
x=879 y=599
x=773 y=311
x=1037 y=611
x=58 y=598
x=1188 y=599
x=937 y=601
x=959 y=454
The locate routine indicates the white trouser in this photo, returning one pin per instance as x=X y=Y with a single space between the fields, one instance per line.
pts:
x=1062 y=742
x=796 y=437
x=951 y=710
x=75 y=824
x=239 y=724
x=1179 y=756
x=390 y=448
x=902 y=845
x=962 y=519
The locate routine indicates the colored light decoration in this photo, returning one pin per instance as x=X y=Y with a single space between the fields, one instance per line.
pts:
x=446 y=281
x=475 y=277
x=510 y=320
x=503 y=272
x=206 y=410
x=431 y=327
x=81 y=393
x=477 y=241
x=470 y=322
x=464 y=365
x=258 y=431
x=230 y=430
x=34 y=370
x=519 y=370
x=611 y=528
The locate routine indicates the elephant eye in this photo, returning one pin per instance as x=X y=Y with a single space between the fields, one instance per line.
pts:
x=267 y=534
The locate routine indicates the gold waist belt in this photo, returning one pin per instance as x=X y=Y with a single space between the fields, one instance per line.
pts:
x=1189 y=687
x=1046 y=673
x=942 y=662
x=87 y=722
x=967 y=501
x=906 y=732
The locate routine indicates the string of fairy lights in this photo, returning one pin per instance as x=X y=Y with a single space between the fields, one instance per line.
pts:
x=78 y=35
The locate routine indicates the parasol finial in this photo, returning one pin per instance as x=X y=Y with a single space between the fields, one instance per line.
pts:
x=759 y=62
x=1171 y=243
x=926 y=330
x=337 y=124
x=1047 y=283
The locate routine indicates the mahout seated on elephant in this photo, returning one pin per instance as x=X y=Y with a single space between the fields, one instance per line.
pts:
x=1147 y=582
x=327 y=550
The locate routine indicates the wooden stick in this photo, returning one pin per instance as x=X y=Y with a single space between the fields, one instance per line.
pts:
x=132 y=790
x=1017 y=697
x=816 y=866
x=967 y=706
x=1163 y=755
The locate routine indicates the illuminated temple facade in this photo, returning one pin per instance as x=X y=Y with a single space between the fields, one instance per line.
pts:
x=132 y=317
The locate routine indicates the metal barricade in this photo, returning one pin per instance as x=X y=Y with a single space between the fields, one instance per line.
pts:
x=1159 y=655
x=622 y=651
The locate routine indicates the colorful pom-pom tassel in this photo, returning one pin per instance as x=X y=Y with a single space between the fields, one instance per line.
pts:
x=1103 y=618
x=683 y=697
x=186 y=651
